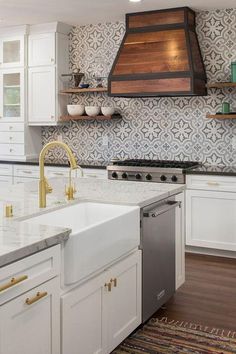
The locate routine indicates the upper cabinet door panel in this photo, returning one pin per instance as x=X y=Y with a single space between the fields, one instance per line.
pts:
x=12 y=52
x=42 y=49
x=12 y=95
x=42 y=95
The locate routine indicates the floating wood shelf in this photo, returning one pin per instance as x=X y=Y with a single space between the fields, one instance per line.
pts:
x=79 y=90
x=221 y=116
x=221 y=84
x=100 y=117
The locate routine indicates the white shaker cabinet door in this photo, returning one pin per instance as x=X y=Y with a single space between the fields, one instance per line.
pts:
x=33 y=327
x=211 y=219
x=42 y=49
x=42 y=96
x=124 y=301
x=83 y=318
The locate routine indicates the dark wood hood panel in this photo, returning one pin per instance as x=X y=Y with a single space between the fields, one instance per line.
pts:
x=158 y=46
x=155 y=18
x=153 y=52
x=151 y=86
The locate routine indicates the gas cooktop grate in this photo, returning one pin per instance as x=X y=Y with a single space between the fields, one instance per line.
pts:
x=156 y=163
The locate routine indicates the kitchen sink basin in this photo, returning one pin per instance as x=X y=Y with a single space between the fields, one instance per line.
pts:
x=101 y=233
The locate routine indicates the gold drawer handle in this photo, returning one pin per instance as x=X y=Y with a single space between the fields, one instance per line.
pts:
x=213 y=184
x=13 y=282
x=108 y=286
x=114 y=281
x=38 y=296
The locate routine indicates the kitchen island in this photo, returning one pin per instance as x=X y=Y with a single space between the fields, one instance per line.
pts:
x=33 y=283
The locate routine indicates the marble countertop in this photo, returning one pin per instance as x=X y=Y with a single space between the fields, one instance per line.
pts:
x=60 y=163
x=18 y=240
x=212 y=170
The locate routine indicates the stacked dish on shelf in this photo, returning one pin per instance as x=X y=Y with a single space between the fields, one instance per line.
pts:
x=75 y=110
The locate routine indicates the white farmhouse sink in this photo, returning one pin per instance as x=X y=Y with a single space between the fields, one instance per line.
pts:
x=100 y=234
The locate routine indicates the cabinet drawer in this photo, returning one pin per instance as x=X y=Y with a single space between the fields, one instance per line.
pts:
x=216 y=183
x=26 y=171
x=94 y=173
x=57 y=172
x=19 y=180
x=29 y=272
x=6 y=170
x=4 y=180
x=12 y=137
x=12 y=149
x=11 y=127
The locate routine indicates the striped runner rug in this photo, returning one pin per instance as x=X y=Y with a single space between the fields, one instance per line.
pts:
x=170 y=337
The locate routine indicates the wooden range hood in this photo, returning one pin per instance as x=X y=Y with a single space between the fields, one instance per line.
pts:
x=159 y=56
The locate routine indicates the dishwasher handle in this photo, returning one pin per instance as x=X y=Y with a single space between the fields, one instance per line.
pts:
x=162 y=209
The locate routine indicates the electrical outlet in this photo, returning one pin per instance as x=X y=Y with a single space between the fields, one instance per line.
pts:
x=59 y=137
x=233 y=142
x=105 y=140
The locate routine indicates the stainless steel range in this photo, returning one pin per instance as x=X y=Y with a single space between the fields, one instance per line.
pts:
x=161 y=171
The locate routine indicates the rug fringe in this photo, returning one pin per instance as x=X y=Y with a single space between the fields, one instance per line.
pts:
x=194 y=326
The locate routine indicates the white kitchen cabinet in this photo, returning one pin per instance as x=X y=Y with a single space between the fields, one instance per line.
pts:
x=32 y=327
x=12 y=95
x=180 y=241
x=42 y=95
x=124 y=301
x=211 y=212
x=5 y=180
x=42 y=49
x=6 y=174
x=211 y=219
x=48 y=60
x=30 y=303
x=12 y=51
x=99 y=314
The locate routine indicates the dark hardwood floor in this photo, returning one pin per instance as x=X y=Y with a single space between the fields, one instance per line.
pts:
x=208 y=296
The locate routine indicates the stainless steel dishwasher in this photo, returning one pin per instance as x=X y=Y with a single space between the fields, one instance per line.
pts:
x=158 y=247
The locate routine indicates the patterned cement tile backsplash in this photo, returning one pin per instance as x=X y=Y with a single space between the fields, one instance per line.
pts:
x=166 y=128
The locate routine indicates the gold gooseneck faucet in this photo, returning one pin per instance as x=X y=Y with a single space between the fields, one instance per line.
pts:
x=44 y=187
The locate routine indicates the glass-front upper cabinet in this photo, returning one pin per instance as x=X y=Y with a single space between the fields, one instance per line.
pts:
x=12 y=52
x=12 y=95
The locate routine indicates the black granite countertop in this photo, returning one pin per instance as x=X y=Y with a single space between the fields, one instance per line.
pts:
x=58 y=163
x=212 y=170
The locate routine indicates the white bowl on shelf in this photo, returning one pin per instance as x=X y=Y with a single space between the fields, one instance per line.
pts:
x=92 y=111
x=75 y=109
x=107 y=111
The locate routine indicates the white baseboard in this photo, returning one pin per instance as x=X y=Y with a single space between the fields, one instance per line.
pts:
x=210 y=252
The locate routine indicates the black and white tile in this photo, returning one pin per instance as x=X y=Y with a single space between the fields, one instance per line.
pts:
x=167 y=128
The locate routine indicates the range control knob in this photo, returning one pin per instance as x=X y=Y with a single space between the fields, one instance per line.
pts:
x=124 y=175
x=163 y=178
x=149 y=177
x=114 y=175
x=138 y=176
x=174 y=179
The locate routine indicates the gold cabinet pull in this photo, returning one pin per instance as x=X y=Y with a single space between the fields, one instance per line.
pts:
x=38 y=296
x=13 y=282
x=108 y=286
x=114 y=281
x=213 y=183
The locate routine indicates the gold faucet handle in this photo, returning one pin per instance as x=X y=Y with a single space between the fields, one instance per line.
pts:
x=8 y=211
x=48 y=187
x=69 y=192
